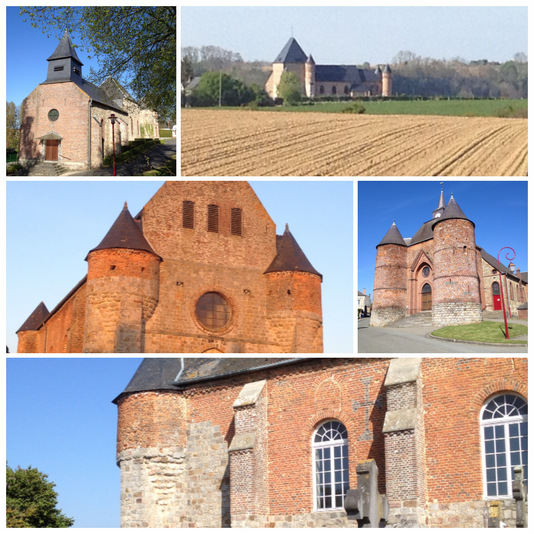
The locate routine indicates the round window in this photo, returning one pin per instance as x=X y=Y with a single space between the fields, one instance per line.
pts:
x=53 y=114
x=213 y=311
x=426 y=271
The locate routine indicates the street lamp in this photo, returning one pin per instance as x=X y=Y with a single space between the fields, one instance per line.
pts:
x=112 y=117
x=502 y=292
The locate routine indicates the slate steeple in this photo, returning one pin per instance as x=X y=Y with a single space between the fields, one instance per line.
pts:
x=64 y=64
x=291 y=53
x=441 y=206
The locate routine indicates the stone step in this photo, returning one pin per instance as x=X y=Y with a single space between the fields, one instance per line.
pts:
x=417 y=319
x=47 y=168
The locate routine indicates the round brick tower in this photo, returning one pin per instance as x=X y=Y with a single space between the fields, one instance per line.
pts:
x=294 y=299
x=122 y=289
x=309 y=77
x=456 y=293
x=387 y=84
x=28 y=333
x=390 y=291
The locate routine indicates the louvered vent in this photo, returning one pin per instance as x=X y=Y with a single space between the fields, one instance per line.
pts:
x=213 y=218
x=188 y=214
x=237 y=221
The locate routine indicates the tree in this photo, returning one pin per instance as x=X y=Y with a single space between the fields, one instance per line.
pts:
x=218 y=85
x=289 y=88
x=12 y=125
x=136 y=45
x=31 y=500
x=186 y=70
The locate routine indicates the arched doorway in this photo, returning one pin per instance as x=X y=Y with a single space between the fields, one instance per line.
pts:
x=496 y=290
x=426 y=298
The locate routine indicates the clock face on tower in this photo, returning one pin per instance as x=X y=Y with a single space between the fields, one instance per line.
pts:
x=53 y=114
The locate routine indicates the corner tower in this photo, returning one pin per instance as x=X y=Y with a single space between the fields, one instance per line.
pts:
x=294 y=308
x=387 y=83
x=122 y=289
x=456 y=298
x=291 y=58
x=310 y=77
x=390 y=291
x=28 y=333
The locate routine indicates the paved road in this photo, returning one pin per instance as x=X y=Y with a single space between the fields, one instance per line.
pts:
x=158 y=155
x=413 y=340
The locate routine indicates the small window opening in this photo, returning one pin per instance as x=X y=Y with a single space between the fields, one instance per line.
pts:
x=112 y=268
x=237 y=219
x=289 y=291
x=188 y=214
x=76 y=71
x=58 y=69
x=213 y=218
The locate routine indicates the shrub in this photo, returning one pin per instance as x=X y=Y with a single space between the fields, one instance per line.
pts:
x=355 y=107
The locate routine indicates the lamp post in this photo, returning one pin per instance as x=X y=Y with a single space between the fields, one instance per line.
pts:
x=502 y=292
x=112 y=117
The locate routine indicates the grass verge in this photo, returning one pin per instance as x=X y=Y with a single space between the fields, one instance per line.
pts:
x=168 y=169
x=484 y=332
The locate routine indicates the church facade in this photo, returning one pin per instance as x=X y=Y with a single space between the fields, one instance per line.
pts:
x=199 y=269
x=327 y=80
x=261 y=442
x=66 y=119
x=442 y=270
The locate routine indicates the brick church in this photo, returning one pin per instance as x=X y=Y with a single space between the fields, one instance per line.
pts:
x=442 y=270
x=327 y=80
x=199 y=269
x=66 y=119
x=260 y=442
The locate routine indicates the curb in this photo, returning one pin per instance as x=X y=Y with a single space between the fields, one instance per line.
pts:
x=477 y=342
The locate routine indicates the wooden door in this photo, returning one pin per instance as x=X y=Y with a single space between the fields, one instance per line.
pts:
x=426 y=300
x=52 y=150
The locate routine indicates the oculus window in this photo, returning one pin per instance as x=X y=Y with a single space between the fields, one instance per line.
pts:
x=504 y=426
x=53 y=114
x=213 y=311
x=331 y=465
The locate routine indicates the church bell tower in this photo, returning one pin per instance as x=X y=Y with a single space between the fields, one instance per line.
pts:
x=64 y=64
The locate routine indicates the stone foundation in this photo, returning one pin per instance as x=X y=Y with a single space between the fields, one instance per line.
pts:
x=387 y=316
x=311 y=520
x=456 y=313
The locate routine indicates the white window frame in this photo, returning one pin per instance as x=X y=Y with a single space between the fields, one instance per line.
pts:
x=331 y=444
x=505 y=421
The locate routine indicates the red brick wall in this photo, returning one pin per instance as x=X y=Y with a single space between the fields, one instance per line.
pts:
x=454 y=392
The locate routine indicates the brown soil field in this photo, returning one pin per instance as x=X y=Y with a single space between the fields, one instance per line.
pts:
x=254 y=143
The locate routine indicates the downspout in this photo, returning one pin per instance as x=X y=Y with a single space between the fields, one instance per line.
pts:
x=89 y=144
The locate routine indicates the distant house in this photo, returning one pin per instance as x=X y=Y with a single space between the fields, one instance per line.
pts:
x=364 y=304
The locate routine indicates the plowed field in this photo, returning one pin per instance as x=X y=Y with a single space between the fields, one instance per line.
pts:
x=253 y=143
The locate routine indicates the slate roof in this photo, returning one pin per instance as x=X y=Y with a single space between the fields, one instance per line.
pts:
x=291 y=53
x=36 y=318
x=392 y=237
x=289 y=256
x=115 y=90
x=159 y=374
x=495 y=264
x=452 y=211
x=423 y=234
x=65 y=49
x=124 y=233
x=345 y=73
x=97 y=94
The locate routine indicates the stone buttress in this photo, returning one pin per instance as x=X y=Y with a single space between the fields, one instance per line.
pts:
x=122 y=289
x=456 y=298
x=390 y=290
x=294 y=310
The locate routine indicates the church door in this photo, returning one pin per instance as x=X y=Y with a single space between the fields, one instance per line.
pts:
x=426 y=303
x=52 y=150
x=496 y=290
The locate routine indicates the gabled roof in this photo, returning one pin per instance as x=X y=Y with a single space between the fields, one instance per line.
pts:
x=97 y=94
x=36 y=318
x=160 y=374
x=124 y=233
x=65 y=49
x=423 y=234
x=289 y=256
x=392 y=237
x=115 y=90
x=291 y=53
x=495 y=264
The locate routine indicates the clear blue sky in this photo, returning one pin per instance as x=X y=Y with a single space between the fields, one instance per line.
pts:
x=353 y=35
x=60 y=420
x=498 y=209
x=27 y=51
x=51 y=226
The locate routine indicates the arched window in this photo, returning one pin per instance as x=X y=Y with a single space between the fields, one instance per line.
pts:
x=346 y=89
x=495 y=289
x=321 y=89
x=334 y=90
x=504 y=425
x=331 y=465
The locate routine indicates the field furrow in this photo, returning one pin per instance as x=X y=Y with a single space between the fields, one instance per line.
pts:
x=249 y=143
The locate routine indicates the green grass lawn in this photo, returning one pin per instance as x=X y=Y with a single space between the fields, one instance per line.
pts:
x=486 y=332
x=463 y=108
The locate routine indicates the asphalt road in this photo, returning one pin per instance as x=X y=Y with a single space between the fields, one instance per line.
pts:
x=412 y=340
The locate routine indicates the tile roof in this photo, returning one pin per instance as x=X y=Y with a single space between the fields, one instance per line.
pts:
x=289 y=256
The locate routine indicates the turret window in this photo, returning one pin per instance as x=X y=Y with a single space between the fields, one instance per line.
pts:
x=237 y=221
x=188 y=214
x=213 y=218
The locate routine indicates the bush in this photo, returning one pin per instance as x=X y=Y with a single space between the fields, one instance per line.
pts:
x=165 y=132
x=134 y=149
x=13 y=168
x=355 y=107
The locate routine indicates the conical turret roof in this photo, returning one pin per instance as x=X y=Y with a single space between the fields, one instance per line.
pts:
x=452 y=211
x=291 y=53
x=36 y=318
x=289 y=256
x=65 y=49
x=441 y=206
x=392 y=237
x=310 y=60
x=124 y=233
